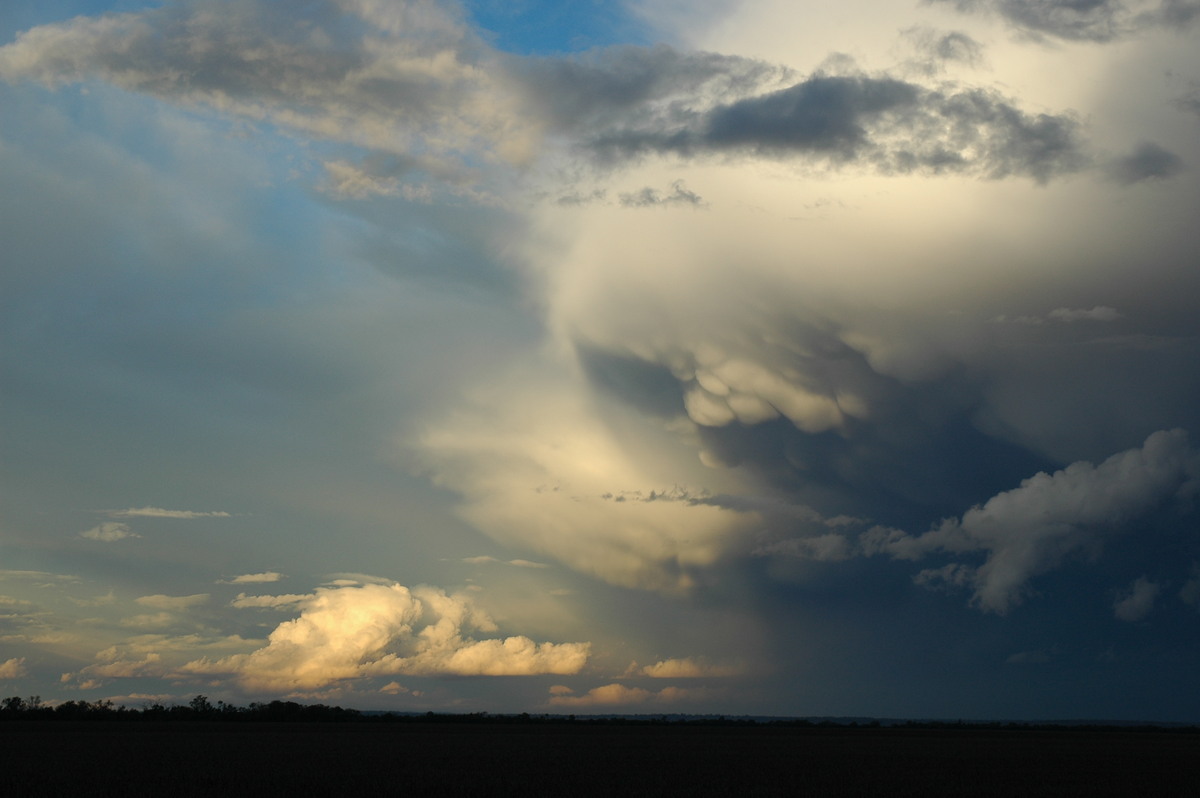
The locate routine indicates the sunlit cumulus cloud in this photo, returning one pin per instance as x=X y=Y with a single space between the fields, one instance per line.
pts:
x=12 y=668
x=618 y=695
x=109 y=532
x=374 y=630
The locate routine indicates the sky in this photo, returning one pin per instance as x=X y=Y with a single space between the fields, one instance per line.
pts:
x=734 y=356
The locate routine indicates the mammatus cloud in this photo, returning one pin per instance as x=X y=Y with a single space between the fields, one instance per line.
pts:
x=616 y=694
x=1028 y=530
x=1085 y=20
x=159 y=512
x=375 y=630
x=109 y=532
x=1137 y=600
x=13 y=668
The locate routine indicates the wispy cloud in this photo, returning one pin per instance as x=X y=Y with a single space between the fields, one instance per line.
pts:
x=109 y=532
x=159 y=512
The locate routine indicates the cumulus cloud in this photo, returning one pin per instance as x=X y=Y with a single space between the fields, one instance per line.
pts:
x=1028 y=530
x=109 y=532
x=159 y=512
x=374 y=630
x=1136 y=601
x=13 y=668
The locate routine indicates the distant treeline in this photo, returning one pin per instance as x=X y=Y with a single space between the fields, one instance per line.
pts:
x=200 y=708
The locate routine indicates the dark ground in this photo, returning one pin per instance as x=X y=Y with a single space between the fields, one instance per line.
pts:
x=208 y=758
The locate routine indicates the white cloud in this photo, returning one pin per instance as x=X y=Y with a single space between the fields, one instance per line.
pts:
x=1137 y=600
x=518 y=563
x=159 y=512
x=1028 y=530
x=13 y=668
x=349 y=632
x=109 y=532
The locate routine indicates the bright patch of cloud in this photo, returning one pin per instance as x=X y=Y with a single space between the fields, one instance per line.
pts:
x=1098 y=313
x=290 y=599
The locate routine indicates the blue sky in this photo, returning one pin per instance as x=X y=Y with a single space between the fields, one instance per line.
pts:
x=748 y=357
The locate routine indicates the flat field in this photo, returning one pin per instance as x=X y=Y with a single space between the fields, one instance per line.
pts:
x=578 y=759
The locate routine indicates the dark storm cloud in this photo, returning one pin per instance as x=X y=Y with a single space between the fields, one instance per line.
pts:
x=1083 y=20
x=1148 y=162
x=891 y=124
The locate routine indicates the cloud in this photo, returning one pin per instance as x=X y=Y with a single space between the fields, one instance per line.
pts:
x=1084 y=20
x=403 y=78
x=1098 y=313
x=687 y=668
x=619 y=695
x=109 y=532
x=481 y=560
x=1190 y=592
x=1028 y=530
x=937 y=48
x=159 y=512
x=1137 y=600
x=413 y=82
x=245 y=579
x=270 y=602
x=173 y=603
x=13 y=668
x=1148 y=162
x=374 y=630
x=880 y=122
x=1029 y=658
x=649 y=197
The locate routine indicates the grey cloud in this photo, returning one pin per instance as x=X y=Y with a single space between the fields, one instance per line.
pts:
x=936 y=49
x=1098 y=313
x=1148 y=162
x=1083 y=20
x=887 y=123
